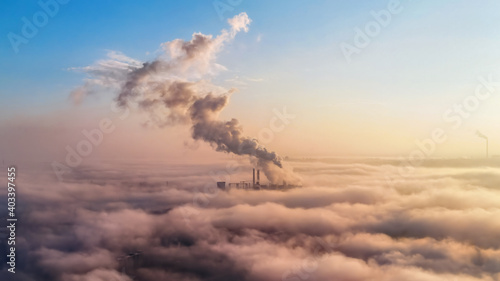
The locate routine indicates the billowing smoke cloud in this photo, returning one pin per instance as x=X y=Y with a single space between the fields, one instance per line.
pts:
x=172 y=89
x=227 y=136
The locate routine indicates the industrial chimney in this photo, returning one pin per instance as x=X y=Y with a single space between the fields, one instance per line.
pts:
x=258 y=177
x=253 y=177
x=481 y=135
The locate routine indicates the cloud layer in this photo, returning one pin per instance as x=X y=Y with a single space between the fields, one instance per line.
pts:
x=119 y=222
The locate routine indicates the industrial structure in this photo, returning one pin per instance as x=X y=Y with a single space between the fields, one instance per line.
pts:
x=254 y=185
x=481 y=135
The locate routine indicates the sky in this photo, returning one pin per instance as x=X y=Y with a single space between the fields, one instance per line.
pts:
x=428 y=57
x=367 y=121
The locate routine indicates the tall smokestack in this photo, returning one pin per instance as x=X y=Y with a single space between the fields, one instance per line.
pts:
x=481 y=135
x=258 y=176
x=487 y=148
x=253 y=177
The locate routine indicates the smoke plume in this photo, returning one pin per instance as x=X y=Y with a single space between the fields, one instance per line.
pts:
x=173 y=89
x=481 y=135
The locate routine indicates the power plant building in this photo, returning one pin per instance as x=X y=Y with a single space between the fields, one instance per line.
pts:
x=254 y=185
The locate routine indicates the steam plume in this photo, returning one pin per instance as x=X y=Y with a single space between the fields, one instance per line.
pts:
x=481 y=135
x=172 y=90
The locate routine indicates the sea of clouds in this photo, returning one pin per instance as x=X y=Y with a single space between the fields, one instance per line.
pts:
x=354 y=219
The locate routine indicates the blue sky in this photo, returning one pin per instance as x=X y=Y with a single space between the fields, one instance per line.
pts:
x=427 y=58
x=82 y=31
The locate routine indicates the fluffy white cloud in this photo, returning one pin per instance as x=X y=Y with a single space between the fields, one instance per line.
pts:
x=439 y=224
